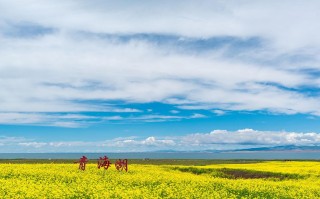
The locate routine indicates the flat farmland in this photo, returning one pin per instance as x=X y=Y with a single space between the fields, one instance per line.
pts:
x=161 y=179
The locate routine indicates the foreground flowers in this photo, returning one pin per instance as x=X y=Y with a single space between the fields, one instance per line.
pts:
x=258 y=180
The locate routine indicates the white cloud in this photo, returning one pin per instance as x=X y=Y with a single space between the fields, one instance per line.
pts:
x=33 y=144
x=174 y=111
x=117 y=144
x=219 y=112
x=45 y=119
x=252 y=137
x=27 y=87
x=215 y=140
x=59 y=71
x=148 y=142
x=154 y=118
x=271 y=19
x=197 y=115
x=82 y=120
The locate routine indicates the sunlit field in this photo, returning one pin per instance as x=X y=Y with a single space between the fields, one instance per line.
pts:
x=275 y=179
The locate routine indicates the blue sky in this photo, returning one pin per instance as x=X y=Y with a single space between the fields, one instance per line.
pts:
x=100 y=76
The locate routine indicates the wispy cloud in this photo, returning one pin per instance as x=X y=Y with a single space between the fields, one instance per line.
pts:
x=44 y=119
x=219 y=112
x=155 y=118
x=243 y=59
x=174 y=111
x=71 y=120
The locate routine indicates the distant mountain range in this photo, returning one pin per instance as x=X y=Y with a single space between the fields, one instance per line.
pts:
x=256 y=149
x=283 y=148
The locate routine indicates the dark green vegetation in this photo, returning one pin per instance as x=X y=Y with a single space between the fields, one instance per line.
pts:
x=187 y=162
x=239 y=173
x=191 y=162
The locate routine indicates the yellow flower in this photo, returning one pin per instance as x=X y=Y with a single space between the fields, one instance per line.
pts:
x=274 y=179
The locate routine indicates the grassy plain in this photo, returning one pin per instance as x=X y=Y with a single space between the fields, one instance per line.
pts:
x=161 y=179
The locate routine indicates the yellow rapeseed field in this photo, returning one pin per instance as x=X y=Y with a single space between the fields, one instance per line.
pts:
x=275 y=179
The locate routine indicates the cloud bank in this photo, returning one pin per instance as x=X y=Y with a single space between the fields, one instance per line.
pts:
x=215 y=140
x=72 y=56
